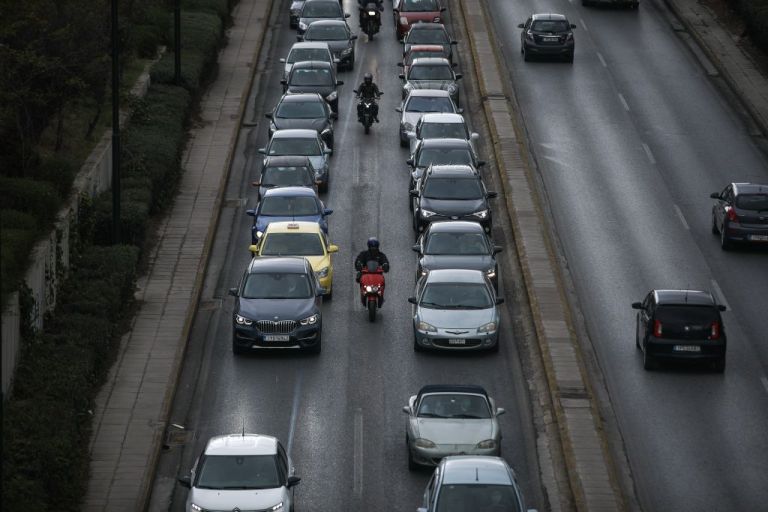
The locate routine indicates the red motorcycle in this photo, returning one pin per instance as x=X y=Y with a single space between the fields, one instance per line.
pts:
x=372 y=288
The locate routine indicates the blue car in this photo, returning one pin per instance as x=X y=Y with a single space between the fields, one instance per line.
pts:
x=287 y=204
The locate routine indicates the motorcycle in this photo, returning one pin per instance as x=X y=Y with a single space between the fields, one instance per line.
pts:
x=367 y=115
x=370 y=20
x=372 y=288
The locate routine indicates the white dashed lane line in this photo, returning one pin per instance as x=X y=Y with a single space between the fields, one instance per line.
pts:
x=602 y=60
x=680 y=215
x=649 y=153
x=765 y=383
x=357 y=484
x=584 y=24
x=719 y=294
x=624 y=102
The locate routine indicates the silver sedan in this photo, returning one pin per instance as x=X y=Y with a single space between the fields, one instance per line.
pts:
x=448 y=420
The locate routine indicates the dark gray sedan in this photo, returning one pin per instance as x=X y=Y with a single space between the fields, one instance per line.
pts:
x=339 y=38
x=308 y=111
x=431 y=73
x=315 y=10
x=314 y=76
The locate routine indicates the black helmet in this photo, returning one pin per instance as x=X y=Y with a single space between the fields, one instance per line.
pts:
x=373 y=243
x=368 y=78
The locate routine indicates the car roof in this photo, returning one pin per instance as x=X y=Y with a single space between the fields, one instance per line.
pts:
x=452 y=388
x=455 y=226
x=684 y=297
x=266 y=264
x=549 y=16
x=442 y=117
x=295 y=133
x=455 y=275
x=293 y=227
x=427 y=26
x=289 y=191
x=241 y=444
x=430 y=61
x=310 y=45
x=311 y=64
x=287 y=161
x=447 y=143
x=429 y=93
x=749 y=188
x=426 y=48
x=453 y=171
x=301 y=96
x=473 y=469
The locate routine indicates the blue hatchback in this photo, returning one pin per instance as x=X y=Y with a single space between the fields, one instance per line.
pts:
x=287 y=204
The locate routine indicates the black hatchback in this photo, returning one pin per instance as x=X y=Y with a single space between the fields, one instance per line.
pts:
x=740 y=214
x=677 y=325
x=547 y=35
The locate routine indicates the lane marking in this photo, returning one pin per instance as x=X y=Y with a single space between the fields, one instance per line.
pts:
x=682 y=218
x=602 y=60
x=357 y=485
x=584 y=24
x=765 y=383
x=720 y=295
x=294 y=411
x=649 y=153
x=624 y=102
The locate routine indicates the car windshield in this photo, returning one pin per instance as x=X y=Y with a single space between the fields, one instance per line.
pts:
x=292 y=244
x=238 y=472
x=287 y=177
x=305 y=77
x=464 y=244
x=301 y=110
x=429 y=104
x=454 y=405
x=694 y=315
x=443 y=131
x=456 y=296
x=430 y=72
x=326 y=33
x=476 y=496
x=288 y=206
x=754 y=202
x=301 y=54
x=440 y=156
x=550 y=26
x=277 y=285
x=452 y=188
x=295 y=147
x=427 y=36
x=322 y=10
x=419 y=5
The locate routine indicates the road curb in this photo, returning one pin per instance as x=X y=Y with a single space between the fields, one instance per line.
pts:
x=197 y=288
x=496 y=98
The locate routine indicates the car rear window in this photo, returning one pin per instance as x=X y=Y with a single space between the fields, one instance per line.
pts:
x=754 y=202
x=325 y=33
x=443 y=131
x=287 y=177
x=456 y=243
x=292 y=244
x=301 y=54
x=438 y=156
x=427 y=36
x=550 y=26
x=419 y=5
x=686 y=314
x=430 y=72
x=322 y=10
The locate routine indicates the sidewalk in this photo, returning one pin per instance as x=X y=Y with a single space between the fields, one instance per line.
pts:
x=132 y=407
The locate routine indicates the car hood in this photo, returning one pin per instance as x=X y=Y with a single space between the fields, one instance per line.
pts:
x=317 y=124
x=469 y=262
x=276 y=309
x=454 y=431
x=323 y=90
x=251 y=499
x=430 y=84
x=453 y=206
x=467 y=319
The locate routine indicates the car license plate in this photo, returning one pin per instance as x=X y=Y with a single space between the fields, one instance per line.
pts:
x=277 y=337
x=457 y=341
x=686 y=348
x=759 y=238
x=551 y=39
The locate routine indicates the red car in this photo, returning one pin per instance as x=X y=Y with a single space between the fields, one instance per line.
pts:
x=408 y=12
x=418 y=51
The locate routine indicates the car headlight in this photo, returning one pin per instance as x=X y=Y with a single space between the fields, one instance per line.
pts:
x=196 y=508
x=332 y=96
x=346 y=51
x=491 y=273
x=310 y=320
x=427 y=214
x=486 y=445
x=482 y=214
x=426 y=327
x=323 y=272
x=302 y=25
x=241 y=320
x=489 y=327
x=424 y=443
x=279 y=506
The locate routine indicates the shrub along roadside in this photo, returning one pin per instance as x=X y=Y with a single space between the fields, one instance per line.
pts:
x=47 y=420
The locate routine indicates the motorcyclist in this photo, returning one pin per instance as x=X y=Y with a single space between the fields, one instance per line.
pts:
x=368 y=90
x=372 y=253
x=362 y=4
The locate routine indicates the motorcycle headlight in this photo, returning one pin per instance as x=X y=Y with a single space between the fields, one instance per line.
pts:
x=279 y=506
x=427 y=213
x=346 y=51
x=426 y=327
x=332 y=96
x=482 y=214
x=372 y=289
x=424 y=443
x=323 y=272
x=302 y=25
x=241 y=320
x=371 y=13
x=489 y=327
x=486 y=445
x=310 y=320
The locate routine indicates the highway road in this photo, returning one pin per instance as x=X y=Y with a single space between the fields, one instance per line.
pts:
x=339 y=413
x=629 y=141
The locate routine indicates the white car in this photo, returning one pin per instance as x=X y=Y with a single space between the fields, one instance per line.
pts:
x=241 y=472
x=419 y=102
x=303 y=51
x=442 y=126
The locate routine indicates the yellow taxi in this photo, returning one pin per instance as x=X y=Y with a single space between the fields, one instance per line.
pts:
x=300 y=239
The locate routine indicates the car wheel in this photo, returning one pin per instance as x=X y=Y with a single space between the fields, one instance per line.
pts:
x=715 y=231
x=725 y=244
x=648 y=362
x=719 y=365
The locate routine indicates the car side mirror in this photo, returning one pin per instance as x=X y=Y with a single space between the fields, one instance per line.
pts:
x=458 y=76
x=480 y=163
x=637 y=305
x=336 y=61
x=406 y=409
x=573 y=25
x=715 y=195
x=327 y=211
x=320 y=291
x=284 y=81
x=442 y=9
x=282 y=61
x=268 y=115
x=254 y=249
x=416 y=248
x=401 y=76
x=721 y=307
x=491 y=195
x=255 y=183
x=263 y=151
x=499 y=300
x=233 y=292
x=497 y=249
x=339 y=82
x=346 y=15
x=327 y=151
x=410 y=162
x=400 y=64
x=412 y=300
x=500 y=411
x=454 y=42
x=353 y=37
x=520 y=25
x=459 y=110
x=413 y=192
x=185 y=481
x=333 y=248
x=398 y=109
x=250 y=213
x=299 y=38
x=292 y=481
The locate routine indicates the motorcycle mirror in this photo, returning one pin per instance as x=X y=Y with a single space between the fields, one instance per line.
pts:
x=282 y=61
x=353 y=37
x=268 y=115
x=333 y=248
x=499 y=300
x=715 y=195
x=233 y=292
x=497 y=249
x=185 y=481
x=416 y=248
x=412 y=300
x=491 y=195
x=458 y=76
x=254 y=249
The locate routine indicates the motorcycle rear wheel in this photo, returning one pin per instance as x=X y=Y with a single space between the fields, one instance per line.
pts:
x=372 y=310
x=367 y=129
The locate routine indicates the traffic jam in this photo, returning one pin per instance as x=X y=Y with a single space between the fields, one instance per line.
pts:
x=278 y=301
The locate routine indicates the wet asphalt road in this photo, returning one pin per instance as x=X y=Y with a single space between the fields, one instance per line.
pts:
x=339 y=414
x=630 y=140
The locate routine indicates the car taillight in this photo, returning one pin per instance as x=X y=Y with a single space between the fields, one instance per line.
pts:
x=731 y=213
x=714 y=333
x=657 y=328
